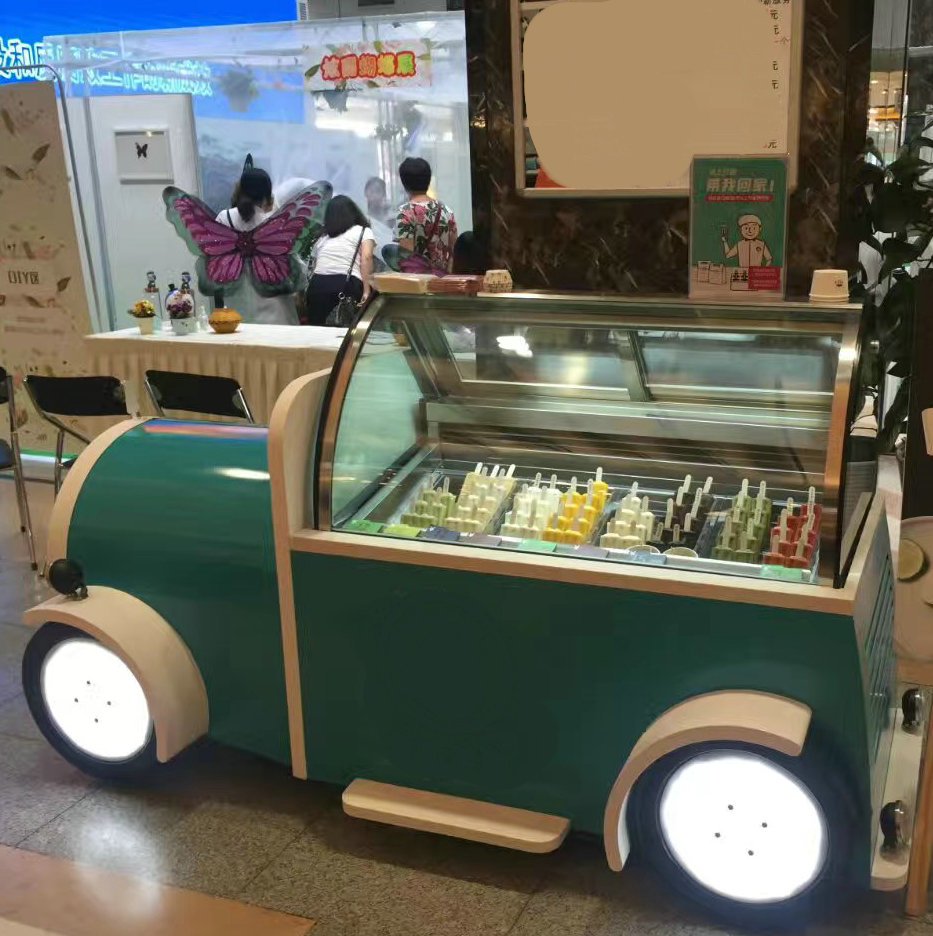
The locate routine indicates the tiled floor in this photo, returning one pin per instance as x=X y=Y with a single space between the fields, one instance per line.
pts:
x=227 y=824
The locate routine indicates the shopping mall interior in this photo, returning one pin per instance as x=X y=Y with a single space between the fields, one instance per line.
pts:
x=466 y=468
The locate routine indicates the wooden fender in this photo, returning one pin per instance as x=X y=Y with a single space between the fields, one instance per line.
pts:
x=750 y=717
x=153 y=651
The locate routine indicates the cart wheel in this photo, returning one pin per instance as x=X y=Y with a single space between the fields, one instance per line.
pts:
x=88 y=704
x=748 y=832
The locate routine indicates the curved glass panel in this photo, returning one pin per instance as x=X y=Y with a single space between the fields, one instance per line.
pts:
x=663 y=433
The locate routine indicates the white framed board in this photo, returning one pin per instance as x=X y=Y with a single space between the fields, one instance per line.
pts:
x=616 y=97
x=144 y=155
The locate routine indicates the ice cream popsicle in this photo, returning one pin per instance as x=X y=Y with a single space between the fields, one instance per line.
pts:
x=799 y=559
x=746 y=551
x=774 y=556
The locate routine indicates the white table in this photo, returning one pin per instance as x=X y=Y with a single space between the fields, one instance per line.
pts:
x=263 y=358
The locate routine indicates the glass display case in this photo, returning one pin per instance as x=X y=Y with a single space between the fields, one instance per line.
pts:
x=660 y=432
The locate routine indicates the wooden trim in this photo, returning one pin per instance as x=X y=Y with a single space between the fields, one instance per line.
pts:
x=292 y=432
x=151 y=648
x=64 y=507
x=578 y=571
x=750 y=717
x=462 y=818
x=890 y=873
x=915 y=672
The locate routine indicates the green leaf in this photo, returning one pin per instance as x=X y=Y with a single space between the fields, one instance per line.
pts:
x=372 y=84
x=908 y=168
x=893 y=308
x=378 y=46
x=897 y=253
x=896 y=207
x=313 y=70
x=41 y=153
x=426 y=57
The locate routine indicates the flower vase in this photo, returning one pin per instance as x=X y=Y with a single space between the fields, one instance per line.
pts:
x=185 y=326
x=146 y=325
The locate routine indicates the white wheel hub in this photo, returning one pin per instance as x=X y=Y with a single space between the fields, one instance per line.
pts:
x=94 y=700
x=743 y=827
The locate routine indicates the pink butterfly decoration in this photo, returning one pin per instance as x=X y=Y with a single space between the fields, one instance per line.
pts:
x=266 y=252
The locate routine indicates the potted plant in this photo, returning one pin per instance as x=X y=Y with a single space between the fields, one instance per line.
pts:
x=893 y=209
x=180 y=307
x=144 y=312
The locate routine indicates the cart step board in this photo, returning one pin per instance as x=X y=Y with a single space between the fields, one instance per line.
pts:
x=455 y=816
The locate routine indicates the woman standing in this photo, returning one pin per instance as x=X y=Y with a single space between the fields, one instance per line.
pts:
x=343 y=259
x=426 y=227
x=252 y=204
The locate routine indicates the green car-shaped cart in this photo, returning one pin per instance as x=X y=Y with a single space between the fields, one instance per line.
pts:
x=349 y=593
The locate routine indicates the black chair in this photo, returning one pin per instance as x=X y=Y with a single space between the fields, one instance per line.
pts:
x=73 y=396
x=11 y=458
x=197 y=393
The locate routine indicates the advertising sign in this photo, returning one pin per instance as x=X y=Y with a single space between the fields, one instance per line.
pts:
x=357 y=66
x=738 y=227
x=43 y=304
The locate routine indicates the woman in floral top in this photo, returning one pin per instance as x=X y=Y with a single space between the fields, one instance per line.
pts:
x=425 y=226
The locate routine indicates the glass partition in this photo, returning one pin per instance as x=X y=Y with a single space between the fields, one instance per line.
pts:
x=673 y=434
x=297 y=96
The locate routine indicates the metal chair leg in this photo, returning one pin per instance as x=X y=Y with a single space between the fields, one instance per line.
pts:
x=59 y=464
x=19 y=482
x=245 y=406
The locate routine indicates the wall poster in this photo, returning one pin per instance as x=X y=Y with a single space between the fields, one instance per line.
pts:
x=738 y=228
x=43 y=303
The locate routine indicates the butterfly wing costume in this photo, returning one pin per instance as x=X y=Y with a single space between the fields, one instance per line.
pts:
x=266 y=253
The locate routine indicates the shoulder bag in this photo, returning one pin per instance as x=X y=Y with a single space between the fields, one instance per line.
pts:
x=343 y=314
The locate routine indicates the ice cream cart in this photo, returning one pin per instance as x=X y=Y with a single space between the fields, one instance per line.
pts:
x=514 y=566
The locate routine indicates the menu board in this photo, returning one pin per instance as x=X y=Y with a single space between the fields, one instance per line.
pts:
x=619 y=96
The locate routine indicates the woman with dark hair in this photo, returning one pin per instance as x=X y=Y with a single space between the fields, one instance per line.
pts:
x=252 y=204
x=343 y=259
x=253 y=192
x=426 y=227
x=469 y=257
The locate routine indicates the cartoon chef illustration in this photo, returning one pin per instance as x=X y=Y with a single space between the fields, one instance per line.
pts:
x=751 y=250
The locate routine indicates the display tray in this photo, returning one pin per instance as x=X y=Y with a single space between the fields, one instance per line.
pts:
x=686 y=523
